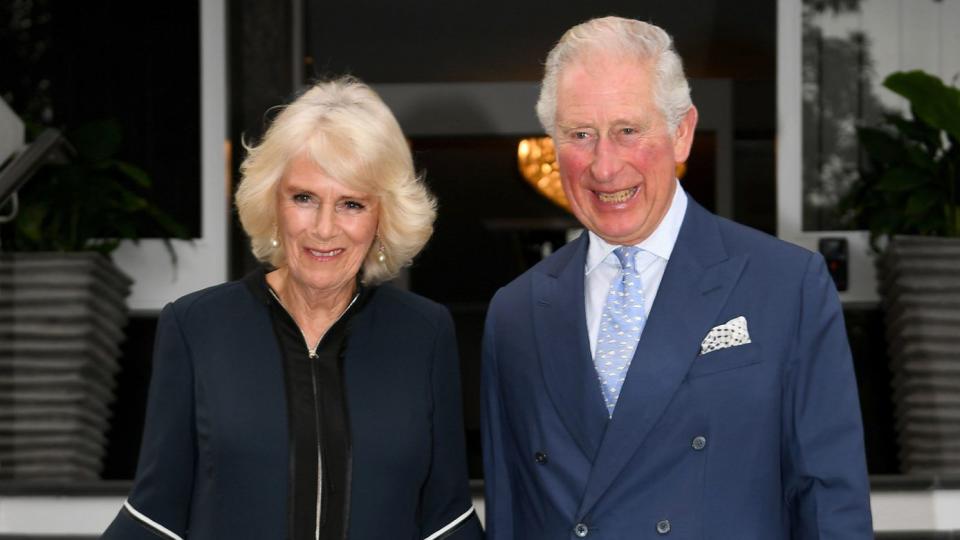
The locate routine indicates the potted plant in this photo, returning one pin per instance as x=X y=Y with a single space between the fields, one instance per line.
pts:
x=63 y=305
x=908 y=197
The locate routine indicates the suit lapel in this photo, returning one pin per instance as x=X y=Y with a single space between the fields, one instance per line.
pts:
x=561 y=335
x=695 y=286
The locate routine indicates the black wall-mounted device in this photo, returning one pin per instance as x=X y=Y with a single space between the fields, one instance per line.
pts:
x=837 y=254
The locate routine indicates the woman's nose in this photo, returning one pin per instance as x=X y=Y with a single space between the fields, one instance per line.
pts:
x=325 y=223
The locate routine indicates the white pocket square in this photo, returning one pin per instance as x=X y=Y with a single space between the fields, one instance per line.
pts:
x=729 y=334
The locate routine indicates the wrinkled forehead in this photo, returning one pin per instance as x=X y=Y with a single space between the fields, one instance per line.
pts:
x=602 y=55
x=605 y=84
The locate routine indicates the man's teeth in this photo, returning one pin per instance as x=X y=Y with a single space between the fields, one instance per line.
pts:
x=617 y=196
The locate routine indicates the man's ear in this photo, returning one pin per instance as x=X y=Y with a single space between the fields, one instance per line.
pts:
x=683 y=136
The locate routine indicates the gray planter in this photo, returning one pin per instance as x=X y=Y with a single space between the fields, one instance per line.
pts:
x=920 y=287
x=61 y=321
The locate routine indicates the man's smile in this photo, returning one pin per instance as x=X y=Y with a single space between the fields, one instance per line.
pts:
x=617 y=196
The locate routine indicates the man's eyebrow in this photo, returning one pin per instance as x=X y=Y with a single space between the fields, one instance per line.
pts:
x=642 y=123
x=571 y=125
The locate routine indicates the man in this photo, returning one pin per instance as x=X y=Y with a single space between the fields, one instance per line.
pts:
x=697 y=385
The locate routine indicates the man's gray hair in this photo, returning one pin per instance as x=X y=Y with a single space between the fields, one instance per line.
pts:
x=631 y=39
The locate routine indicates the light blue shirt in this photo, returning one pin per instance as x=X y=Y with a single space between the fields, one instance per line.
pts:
x=602 y=266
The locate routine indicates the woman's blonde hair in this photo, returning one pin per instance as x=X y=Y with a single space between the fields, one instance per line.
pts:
x=347 y=130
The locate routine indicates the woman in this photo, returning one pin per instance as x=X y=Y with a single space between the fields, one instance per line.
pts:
x=309 y=401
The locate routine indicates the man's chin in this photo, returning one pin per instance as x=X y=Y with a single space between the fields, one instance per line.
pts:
x=620 y=236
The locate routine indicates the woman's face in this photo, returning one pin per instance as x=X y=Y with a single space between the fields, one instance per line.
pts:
x=325 y=227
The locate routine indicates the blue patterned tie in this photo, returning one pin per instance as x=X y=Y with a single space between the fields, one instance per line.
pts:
x=620 y=326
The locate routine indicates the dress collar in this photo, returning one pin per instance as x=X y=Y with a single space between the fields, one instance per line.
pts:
x=256 y=283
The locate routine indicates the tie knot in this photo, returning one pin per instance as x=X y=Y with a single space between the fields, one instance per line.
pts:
x=627 y=255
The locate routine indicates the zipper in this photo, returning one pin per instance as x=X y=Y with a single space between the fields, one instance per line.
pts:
x=312 y=355
x=316 y=415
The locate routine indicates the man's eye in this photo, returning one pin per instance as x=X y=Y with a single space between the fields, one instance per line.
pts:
x=628 y=131
x=581 y=135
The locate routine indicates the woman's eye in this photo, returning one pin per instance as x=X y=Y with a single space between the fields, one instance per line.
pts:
x=353 y=205
x=303 y=199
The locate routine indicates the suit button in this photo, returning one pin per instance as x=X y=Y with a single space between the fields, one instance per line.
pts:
x=663 y=526
x=580 y=530
x=699 y=442
x=541 y=458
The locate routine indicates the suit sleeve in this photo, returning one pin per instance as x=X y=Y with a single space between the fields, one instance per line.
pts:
x=159 y=504
x=825 y=478
x=446 y=509
x=497 y=491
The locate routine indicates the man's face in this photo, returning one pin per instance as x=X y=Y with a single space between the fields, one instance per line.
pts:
x=616 y=155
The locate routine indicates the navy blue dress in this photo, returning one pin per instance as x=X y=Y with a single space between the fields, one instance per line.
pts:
x=246 y=436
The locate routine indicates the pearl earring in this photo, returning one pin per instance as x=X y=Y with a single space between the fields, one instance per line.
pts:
x=381 y=255
x=274 y=243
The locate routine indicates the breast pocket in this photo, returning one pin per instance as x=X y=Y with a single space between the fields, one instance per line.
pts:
x=726 y=359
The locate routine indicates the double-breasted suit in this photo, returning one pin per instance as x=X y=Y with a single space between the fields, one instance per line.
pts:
x=757 y=441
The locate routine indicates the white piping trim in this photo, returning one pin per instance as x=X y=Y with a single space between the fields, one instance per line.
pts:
x=151 y=523
x=450 y=525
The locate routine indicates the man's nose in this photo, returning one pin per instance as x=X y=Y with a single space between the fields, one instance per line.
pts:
x=606 y=162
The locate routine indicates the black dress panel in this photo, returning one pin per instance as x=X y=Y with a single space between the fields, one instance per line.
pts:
x=317 y=411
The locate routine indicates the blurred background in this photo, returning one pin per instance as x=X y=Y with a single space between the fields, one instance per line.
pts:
x=165 y=94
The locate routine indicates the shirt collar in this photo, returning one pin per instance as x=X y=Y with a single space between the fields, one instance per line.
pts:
x=660 y=242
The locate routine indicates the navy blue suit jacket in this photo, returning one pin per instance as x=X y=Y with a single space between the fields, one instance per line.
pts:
x=215 y=458
x=759 y=441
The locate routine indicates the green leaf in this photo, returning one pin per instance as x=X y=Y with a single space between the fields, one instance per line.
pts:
x=930 y=100
x=916 y=130
x=919 y=203
x=104 y=246
x=138 y=175
x=126 y=230
x=902 y=180
x=922 y=160
x=132 y=202
x=170 y=227
x=880 y=144
x=30 y=221
x=92 y=201
x=98 y=140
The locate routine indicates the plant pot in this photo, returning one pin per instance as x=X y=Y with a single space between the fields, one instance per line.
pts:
x=920 y=288
x=61 y=322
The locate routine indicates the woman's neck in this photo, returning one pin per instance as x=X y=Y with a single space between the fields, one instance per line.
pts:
x=314 y=310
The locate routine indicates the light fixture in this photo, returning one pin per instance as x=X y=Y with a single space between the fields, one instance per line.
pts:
x=538 y=164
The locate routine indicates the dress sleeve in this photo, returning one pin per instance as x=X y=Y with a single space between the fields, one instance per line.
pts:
x=159 y=504
x=446 y=510
x=498 y=507
x=825 y=474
